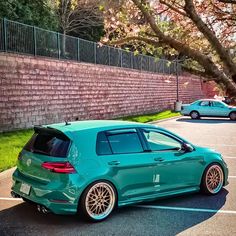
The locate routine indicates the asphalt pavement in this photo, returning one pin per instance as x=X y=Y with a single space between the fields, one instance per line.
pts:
x=193 y=214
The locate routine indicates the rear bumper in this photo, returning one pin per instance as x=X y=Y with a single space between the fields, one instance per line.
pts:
x=58 y=201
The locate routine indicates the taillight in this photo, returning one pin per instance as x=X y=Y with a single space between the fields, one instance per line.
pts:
x=59 y=167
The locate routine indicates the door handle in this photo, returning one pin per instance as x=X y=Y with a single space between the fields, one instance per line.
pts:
x=114 y=163
x=158 y=159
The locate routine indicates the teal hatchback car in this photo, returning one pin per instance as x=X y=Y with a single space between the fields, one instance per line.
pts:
x=90 y=167
x=208 y=108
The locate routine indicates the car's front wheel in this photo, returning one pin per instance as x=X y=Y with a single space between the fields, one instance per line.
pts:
x=194 y=115
x=98 y=201
x=212 y=179
x=232 y=116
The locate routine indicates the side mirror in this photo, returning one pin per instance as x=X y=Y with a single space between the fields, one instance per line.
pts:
x=186 y=147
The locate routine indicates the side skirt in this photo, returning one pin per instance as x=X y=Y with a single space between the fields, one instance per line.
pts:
x=158 y=196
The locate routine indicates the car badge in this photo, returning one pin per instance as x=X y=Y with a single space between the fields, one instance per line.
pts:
x=28 y=162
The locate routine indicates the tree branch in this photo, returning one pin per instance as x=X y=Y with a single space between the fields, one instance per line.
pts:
x=221 y=51
x=198 y=72
x=171 y=6
x=135 y=38
x=202 y=59
x=228 y=1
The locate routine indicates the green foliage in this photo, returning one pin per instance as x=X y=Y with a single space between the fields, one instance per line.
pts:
x=11 y=144
x=151 y=117
x=33 y=12
x=90 y=33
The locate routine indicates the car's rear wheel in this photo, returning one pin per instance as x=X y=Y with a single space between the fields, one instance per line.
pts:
x=98 y=201
x=194 y=115
x=232 y=116
x=213 y=179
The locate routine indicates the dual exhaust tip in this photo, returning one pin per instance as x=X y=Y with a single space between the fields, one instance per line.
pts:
x=40 y=208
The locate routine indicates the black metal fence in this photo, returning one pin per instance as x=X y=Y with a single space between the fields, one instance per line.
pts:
x=16 y=37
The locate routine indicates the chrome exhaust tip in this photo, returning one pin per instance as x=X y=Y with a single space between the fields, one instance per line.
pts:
x=42 y=209
x=39 y=208
x=14 y=195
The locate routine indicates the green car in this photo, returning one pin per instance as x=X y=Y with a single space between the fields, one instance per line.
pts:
x=90 y=167
x=208 y=108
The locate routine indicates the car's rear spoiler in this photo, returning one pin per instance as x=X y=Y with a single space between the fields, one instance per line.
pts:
x=50 y=130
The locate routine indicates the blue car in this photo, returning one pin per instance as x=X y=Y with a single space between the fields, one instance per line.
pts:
x=208 y=108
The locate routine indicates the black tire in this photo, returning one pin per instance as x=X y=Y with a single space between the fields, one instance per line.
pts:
x=108 y=196
x=194 y=115
x=232 y=115
x=208 y=186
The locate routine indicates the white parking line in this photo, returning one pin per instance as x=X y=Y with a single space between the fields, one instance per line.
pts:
x=186 y=209
x=226 y=157
x=223 y=145
x=10 y=199
x=232 y=176
x=218 y=145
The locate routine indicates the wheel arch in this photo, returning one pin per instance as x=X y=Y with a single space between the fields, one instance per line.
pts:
x=212 y=163
x=94 y=182
x=231 y=113
x=194 y=111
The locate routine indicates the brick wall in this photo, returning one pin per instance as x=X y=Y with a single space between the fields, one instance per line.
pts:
x=37 y=91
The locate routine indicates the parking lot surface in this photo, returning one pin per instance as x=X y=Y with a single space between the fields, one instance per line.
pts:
x=194 y=214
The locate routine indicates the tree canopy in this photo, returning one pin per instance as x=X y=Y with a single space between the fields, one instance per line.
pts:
x=201 y=32
x=39 y=13
x=80 y=18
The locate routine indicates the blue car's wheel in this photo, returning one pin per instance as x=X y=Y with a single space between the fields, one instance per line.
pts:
x=98 y=201
x=194 y=115
x=212 y=179
x=232 y=116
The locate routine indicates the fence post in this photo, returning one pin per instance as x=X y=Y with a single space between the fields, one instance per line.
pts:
x=58 y=45
x=5 y=33
x=141 y=67
x=131 y=60
x=109 y=55
x=78 y=54
x=95 y=53
x=35 y=41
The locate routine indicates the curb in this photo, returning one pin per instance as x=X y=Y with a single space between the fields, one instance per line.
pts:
x=7 y=173
x=159 y=121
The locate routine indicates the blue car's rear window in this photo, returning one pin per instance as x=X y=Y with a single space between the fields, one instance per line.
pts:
x=48 y=144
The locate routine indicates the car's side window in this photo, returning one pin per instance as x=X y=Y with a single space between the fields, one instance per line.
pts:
x=118 y=142
x=125 y=143
x=103 y=146
x=217 y=104
x=204 y=103
x=158 y=141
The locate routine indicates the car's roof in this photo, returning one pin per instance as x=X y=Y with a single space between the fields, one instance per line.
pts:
x=95 y=124
x=210 y=99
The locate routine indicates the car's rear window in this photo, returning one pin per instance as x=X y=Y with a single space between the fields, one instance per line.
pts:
x=48 y=144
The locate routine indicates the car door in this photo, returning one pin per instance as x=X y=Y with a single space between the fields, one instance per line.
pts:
x=175 y=169
x=218 y=109
x=204 y=108
x=128 y=164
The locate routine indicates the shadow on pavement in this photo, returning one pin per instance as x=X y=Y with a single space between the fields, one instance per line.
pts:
x=23 y=219
x=206 y=121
